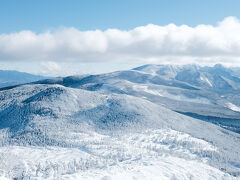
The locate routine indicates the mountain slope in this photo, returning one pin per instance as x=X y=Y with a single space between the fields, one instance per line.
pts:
x=207 y=93
x=217 y=78
x=83 y=132
x=146 y=123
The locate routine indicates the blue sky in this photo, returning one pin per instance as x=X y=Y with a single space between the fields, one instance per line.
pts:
x=39 y=15
x=39 y=24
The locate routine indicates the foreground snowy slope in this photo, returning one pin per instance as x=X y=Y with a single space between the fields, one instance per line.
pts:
x=52 y=131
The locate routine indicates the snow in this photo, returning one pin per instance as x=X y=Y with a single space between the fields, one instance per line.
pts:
x=206 y=80
x=146 y=89
x=164 y=168
x=183 y=93
x=233 y=107
x=114 y=126
x=148 y=155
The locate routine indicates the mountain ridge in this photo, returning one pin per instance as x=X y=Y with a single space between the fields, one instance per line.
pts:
x=90 y=126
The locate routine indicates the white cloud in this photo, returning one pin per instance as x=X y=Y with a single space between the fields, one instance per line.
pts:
x=51 y=66
x=204 y=44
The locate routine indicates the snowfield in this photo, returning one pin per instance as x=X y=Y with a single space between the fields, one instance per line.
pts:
x=121 y=125
x=165 y=154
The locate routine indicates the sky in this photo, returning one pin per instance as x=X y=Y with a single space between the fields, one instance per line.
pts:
x=64 y=37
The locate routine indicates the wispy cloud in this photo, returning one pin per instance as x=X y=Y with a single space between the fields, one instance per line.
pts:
x=204 y=44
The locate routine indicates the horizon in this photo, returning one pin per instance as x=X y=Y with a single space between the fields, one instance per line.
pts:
x=127 y=69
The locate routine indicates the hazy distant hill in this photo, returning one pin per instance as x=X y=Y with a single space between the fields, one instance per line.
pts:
x=10 y=78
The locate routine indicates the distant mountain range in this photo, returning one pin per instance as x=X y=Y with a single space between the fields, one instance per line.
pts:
x=217 y=78
x=10 y=78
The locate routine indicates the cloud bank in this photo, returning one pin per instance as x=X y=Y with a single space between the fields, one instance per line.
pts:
x=203 y=44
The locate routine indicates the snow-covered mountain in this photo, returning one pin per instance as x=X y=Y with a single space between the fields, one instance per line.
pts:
x=11 y=78
x=207 y=93
x=145 y=123
x=217 y=79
